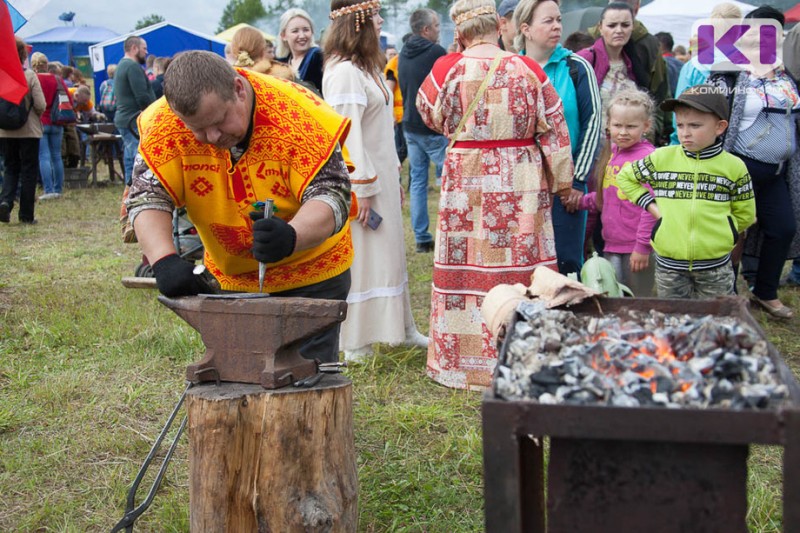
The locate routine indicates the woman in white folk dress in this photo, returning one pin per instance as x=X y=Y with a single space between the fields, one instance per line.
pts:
x=379 y=306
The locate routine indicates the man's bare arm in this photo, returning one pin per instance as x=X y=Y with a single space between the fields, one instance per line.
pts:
x=154 y=233
x=150 y=211
x=314 y=223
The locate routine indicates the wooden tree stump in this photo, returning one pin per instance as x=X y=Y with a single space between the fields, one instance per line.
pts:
x=272 y=460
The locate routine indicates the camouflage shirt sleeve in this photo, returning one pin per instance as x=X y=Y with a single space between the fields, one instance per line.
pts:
x=146 y=191
x=332 y=186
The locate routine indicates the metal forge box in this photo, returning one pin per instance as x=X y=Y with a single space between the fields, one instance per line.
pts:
x=634 y=469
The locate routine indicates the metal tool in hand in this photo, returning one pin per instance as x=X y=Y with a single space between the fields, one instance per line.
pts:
x=262 y=267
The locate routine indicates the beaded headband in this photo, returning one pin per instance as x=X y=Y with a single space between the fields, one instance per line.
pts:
x=361 y=11
x=472 y=13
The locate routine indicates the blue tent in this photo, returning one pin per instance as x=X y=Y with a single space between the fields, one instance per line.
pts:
x=64 y=43
x=163 y=40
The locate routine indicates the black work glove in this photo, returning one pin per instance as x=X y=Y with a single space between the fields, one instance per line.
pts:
x=176 y=277
x=273 y=238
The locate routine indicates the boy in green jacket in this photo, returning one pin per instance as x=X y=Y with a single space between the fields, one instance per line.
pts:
x=702 y=197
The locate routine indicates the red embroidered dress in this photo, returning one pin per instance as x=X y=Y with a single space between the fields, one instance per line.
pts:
x=495 y=221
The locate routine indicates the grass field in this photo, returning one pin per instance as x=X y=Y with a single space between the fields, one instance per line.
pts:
x=89 y=372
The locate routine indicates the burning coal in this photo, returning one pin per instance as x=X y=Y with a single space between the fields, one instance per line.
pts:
x=636 y=359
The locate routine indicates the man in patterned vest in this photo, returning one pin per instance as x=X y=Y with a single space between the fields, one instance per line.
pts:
x=222 y=140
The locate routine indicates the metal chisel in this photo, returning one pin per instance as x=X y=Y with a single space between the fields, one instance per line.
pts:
x=262 y=267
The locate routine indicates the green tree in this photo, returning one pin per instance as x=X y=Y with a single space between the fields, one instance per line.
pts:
x=238 y=11
x=149 y=20
x=276 y=8
x=440 y=6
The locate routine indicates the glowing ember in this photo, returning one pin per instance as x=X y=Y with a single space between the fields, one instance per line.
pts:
x=639 y=359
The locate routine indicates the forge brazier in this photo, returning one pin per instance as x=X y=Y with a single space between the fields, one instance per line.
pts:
x=633 y=469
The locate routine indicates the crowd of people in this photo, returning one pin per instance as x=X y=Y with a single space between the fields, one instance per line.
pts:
x=614 y=142
x=673 y=220
x=38 y=151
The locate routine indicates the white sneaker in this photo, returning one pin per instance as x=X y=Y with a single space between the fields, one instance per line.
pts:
x=417 y=339
x=49 y=196
x=359 y=355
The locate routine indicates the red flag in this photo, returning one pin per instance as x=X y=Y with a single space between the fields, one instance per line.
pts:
x=13 y=84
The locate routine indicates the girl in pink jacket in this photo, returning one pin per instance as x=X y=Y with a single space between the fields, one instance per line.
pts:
x=626 y=226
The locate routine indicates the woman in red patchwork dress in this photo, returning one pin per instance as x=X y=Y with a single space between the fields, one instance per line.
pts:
x=507 y=159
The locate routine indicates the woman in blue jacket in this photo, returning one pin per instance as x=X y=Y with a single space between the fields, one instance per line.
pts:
x=538 y=25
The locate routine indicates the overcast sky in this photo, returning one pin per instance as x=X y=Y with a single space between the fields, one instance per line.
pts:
x=121 y=15
x=199 y=15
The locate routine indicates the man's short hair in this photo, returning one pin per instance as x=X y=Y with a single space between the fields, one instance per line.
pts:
x=666 y=40
x=22 y=50
x=161 y=64
x=192 y=74
x=130 y=42
x=421 y=19
x=578 y=40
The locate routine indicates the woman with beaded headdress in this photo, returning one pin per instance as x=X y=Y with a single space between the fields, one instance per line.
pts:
x=297 y=48
x=509 y=154
x=379 y=306
x=249 y=49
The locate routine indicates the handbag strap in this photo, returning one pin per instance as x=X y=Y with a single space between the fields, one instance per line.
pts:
x=475 y=100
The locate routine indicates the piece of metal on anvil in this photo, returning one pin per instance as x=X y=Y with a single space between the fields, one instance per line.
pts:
x=252 y=339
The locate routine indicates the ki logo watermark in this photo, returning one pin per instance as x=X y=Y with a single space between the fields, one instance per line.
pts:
x=755 y=45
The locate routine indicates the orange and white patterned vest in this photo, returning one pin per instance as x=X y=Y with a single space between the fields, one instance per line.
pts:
x=294 y=135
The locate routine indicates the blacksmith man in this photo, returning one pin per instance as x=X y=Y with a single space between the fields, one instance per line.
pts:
x=221 y=140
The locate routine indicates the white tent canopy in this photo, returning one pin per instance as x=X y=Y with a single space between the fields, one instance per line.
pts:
x=678 y=16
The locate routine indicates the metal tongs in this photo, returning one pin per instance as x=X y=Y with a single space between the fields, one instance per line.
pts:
x=132 y=511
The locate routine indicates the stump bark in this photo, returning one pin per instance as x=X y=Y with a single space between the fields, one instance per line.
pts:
x=272 y=460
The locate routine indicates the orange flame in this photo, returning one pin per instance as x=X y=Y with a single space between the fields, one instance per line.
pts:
x=663 y=353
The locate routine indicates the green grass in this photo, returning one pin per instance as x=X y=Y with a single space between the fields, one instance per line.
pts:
x=89 y=372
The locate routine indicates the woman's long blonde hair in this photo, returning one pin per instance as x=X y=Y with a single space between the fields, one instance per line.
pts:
x=282 y=50
x=39 y=62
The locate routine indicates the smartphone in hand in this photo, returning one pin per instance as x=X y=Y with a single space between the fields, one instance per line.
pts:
x=374 y=219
